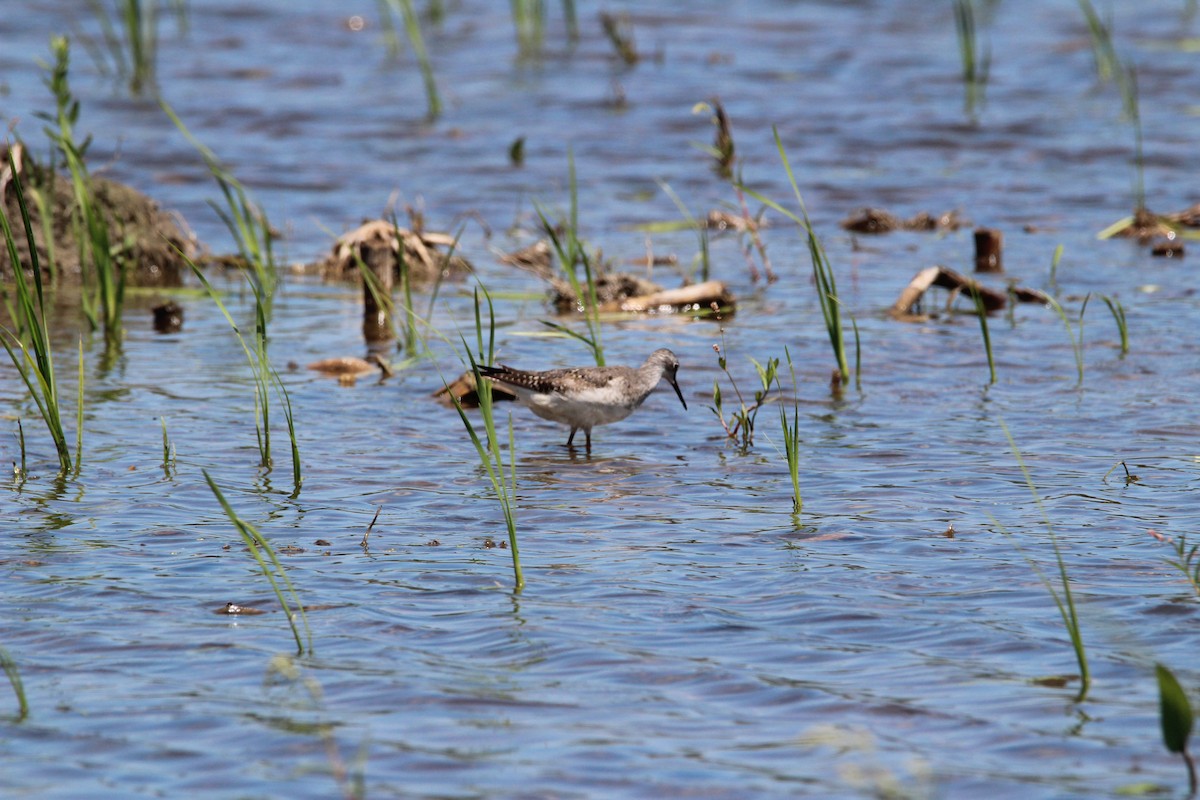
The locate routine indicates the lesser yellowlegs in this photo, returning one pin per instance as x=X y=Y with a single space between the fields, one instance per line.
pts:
x=583 y=397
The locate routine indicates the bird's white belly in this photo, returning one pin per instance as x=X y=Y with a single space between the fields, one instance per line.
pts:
x=580 y=410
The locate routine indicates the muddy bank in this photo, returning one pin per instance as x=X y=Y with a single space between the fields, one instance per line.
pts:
x=148 y=239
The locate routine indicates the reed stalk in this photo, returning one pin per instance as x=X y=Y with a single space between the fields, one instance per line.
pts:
x=35 y=364
x=168 y=449
x=503 y=480
x=14 y=680
x=1065 y=602
x=272 y=570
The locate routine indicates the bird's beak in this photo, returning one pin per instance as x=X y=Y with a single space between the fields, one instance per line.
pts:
x=675 y=386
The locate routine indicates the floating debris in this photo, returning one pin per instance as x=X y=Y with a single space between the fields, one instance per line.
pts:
x=234 y=608
x=1168 y=248
x=168 y=317
x=710 y=296
x=422 y=257
x=348 y=369
x=993 y=299
x=611 y=287
x=876 y=220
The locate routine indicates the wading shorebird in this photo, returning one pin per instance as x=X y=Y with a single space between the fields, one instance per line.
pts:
x=583 y=397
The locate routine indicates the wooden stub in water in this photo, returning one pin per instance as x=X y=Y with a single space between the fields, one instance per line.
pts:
x=988 y=244
x=377 y=289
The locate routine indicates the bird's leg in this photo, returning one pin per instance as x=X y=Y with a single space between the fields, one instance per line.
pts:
x=588 y=433
x=571 y=438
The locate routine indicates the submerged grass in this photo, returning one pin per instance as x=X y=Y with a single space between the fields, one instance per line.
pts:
x=1065 y=602
x=503 y=479
x=35 y=364
x=271 y=569
x=14 y=680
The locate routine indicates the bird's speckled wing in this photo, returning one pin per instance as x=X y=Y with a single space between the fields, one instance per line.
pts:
x=550 y=381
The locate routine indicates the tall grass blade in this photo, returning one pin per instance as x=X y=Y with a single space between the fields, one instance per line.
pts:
x=271 y=569
x=1118 y=313
x=981 y=312
x=791 y=438
x=822 y=269
x=572 y=254
x=412 y=28
x=35 y=364
x=1076 y=341
x=1066 y=602
x=245 y=219
x=504 y=482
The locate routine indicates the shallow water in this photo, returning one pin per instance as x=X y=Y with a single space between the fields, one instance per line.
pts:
x=682 y=634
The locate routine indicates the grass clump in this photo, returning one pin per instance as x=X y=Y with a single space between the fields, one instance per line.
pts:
x=791 y=438
x=740 y=425
x=103 y=268
x=129 y=30
x=823 y=274
x=412 y=29
x=272 y=570
x=503 y=479
x=266 y=379
x=976 y=58
x=35 y=361
x=244 y=218
x=572 y=255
